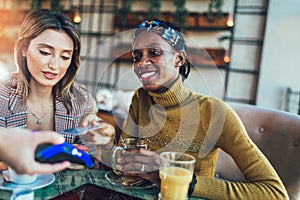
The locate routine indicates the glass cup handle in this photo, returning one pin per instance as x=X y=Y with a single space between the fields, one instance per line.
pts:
x=113 y=156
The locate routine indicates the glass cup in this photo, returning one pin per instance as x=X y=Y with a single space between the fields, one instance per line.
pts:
x=130 y=145
x=176 y=173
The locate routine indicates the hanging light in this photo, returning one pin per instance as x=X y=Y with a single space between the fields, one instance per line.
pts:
x=76 y=17
x=226 y=57
x=230 y=22
x=221 y=39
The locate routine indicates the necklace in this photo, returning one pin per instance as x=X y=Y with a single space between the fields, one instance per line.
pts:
x=39 y=120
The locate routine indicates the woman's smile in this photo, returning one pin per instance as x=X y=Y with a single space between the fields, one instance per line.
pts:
x=147 y=76
x=49 y=75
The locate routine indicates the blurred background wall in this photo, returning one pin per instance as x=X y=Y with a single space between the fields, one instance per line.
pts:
x=280 y=67
x=252 y=60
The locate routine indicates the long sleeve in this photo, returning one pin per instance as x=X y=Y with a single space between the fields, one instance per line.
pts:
x=200 y=125
x=67 y=120
x=262 y=180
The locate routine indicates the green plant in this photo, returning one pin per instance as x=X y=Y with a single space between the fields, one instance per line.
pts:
x=180 y=13
x=214 y=6
x=36 y=4
x=124 y=11
x=55 y=5
x=154 y=9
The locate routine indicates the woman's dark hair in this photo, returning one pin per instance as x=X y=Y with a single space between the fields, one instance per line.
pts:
x=185 y=69
x=33 y=25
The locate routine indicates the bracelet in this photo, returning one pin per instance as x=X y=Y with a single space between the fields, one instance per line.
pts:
x=192 y=185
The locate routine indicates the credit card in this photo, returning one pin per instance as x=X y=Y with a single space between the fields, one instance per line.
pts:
x=80 y=130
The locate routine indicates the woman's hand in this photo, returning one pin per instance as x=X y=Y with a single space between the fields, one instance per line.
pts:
x=103 y=136
x=143 y=163
x=18 y=146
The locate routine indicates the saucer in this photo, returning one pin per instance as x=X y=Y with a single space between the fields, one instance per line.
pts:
x=116 y=180
x=43 y=180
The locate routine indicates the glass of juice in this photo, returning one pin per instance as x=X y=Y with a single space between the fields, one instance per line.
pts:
x=176 y=173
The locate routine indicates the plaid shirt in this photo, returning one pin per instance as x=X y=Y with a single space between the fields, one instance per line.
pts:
x=13 y=112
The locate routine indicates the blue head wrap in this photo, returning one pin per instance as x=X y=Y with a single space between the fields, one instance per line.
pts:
x=173 y=37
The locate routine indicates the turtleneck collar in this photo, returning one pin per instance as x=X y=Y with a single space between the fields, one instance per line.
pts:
x=173 y=96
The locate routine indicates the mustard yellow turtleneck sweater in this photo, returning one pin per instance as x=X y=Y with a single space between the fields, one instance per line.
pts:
x=181 y=120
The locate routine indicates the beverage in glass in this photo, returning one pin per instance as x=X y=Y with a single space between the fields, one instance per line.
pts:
x=132 y=145
x=176 y=173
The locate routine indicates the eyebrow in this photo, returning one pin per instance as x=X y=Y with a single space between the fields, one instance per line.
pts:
x=51 y=47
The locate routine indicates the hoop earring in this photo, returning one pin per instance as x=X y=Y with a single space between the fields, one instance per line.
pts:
x=180 y=63
x=23 y=55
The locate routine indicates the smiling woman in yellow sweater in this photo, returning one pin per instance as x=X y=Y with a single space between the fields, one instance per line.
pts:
x=171 y=117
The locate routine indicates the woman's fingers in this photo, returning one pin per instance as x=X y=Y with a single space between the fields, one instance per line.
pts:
x=102 y=136
x=134 y=161
x=141 y=154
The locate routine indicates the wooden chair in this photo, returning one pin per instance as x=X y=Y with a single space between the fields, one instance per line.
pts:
x=277 y=134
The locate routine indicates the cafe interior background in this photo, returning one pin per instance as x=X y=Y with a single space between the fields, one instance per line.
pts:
x=244 y=51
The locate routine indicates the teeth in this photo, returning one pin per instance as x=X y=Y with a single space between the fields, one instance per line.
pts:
x=50 y=74
x=147 y=74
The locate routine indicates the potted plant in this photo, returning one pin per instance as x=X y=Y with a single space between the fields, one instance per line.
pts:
x=124 y=17
x=214 y=17
x=215 y=6
x=181 y=13
x=124 y=11
x=55 y=5
x=154 y=9
x=36 y=4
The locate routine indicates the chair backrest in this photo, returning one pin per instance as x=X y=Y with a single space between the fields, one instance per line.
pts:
x=277 y=134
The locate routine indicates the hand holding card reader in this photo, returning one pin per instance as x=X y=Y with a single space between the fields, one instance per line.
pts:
x=49 y=153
